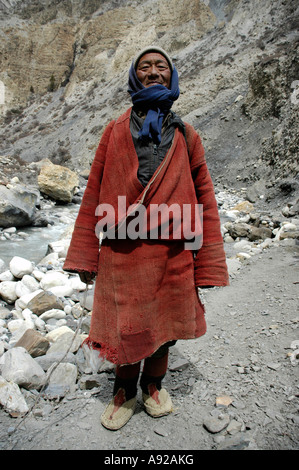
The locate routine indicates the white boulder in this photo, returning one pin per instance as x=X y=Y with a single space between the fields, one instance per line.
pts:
x=53 y=279
x=8 y=291
x=61 y=291
x=63 y=374
x=19 y=367
x=17 y=328
x=11 y=398
x=6 y=276
x=21 y=289
x=20 y=266
x=30 y=282
x=53 y=313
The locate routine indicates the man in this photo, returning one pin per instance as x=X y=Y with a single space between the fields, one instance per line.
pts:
x=146 y=287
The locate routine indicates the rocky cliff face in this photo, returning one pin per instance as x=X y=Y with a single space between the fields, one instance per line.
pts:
x=63 y=77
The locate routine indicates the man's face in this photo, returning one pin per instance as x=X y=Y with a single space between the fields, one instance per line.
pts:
x=153 y=69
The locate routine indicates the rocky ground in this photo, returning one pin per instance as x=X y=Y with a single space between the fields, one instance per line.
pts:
x=234 y=388
x=245 y=358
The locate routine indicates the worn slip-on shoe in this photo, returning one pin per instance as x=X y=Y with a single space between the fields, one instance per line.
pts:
x=157 y=403
x=116 y=416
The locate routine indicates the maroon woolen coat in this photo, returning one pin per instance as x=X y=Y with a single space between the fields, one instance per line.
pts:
x=145 y=292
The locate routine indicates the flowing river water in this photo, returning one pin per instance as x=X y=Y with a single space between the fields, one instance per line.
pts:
x=34 y=245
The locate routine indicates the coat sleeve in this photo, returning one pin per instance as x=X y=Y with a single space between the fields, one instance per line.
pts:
x=210 y=267
x=83 y=251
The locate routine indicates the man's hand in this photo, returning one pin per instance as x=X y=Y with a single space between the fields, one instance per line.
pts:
x=86 y=277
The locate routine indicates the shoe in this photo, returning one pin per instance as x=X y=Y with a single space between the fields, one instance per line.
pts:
x=158 y=402
x=118 y=412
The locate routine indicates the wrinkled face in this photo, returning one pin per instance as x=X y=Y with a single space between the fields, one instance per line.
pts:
x=153 y=69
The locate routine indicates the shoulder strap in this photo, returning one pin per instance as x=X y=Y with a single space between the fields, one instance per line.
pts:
x=184 y=132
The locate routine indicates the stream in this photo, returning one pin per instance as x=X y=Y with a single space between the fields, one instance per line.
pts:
x=34 y=245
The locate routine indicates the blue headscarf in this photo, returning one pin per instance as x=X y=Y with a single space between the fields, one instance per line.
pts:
x=156 y=100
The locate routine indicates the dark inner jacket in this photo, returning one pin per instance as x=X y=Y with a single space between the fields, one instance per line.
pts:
x=149 y=154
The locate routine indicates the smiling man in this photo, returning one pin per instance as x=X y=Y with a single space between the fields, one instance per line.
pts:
x=146 y=288
x=153 y=69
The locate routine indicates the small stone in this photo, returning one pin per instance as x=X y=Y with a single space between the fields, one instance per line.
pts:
x=294 y=357
x=191 y=381
x=224 y=400
x=10 y=430
x=274 y=365
x=47 y=360
x=179 y=364
x=160 y=430
x=37 y=412
x=295 y=344
x=234 y=427
x=243 y=256
x=244 y=206
x=55 y=391
x=34 y=343
x=4 y=313
x=215 y=425
x=88 y=382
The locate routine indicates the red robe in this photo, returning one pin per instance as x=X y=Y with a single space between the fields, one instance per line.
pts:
x=145 y=292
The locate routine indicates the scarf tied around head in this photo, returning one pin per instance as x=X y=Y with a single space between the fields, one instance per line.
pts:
x=155 y=100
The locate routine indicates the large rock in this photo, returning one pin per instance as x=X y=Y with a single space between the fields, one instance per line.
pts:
x=8 y=291
x=11 y=398
x=53 y=279
x=47 y=360
x=64 y=340
x=17 y=206
x=58 y=182
x=238 y=229
x=17 y=328
x=19 y=367
x=43 y=302
x=20 y=267
x=64 y=374
x=259 y=233
x=22 y=302
x=35 y=343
